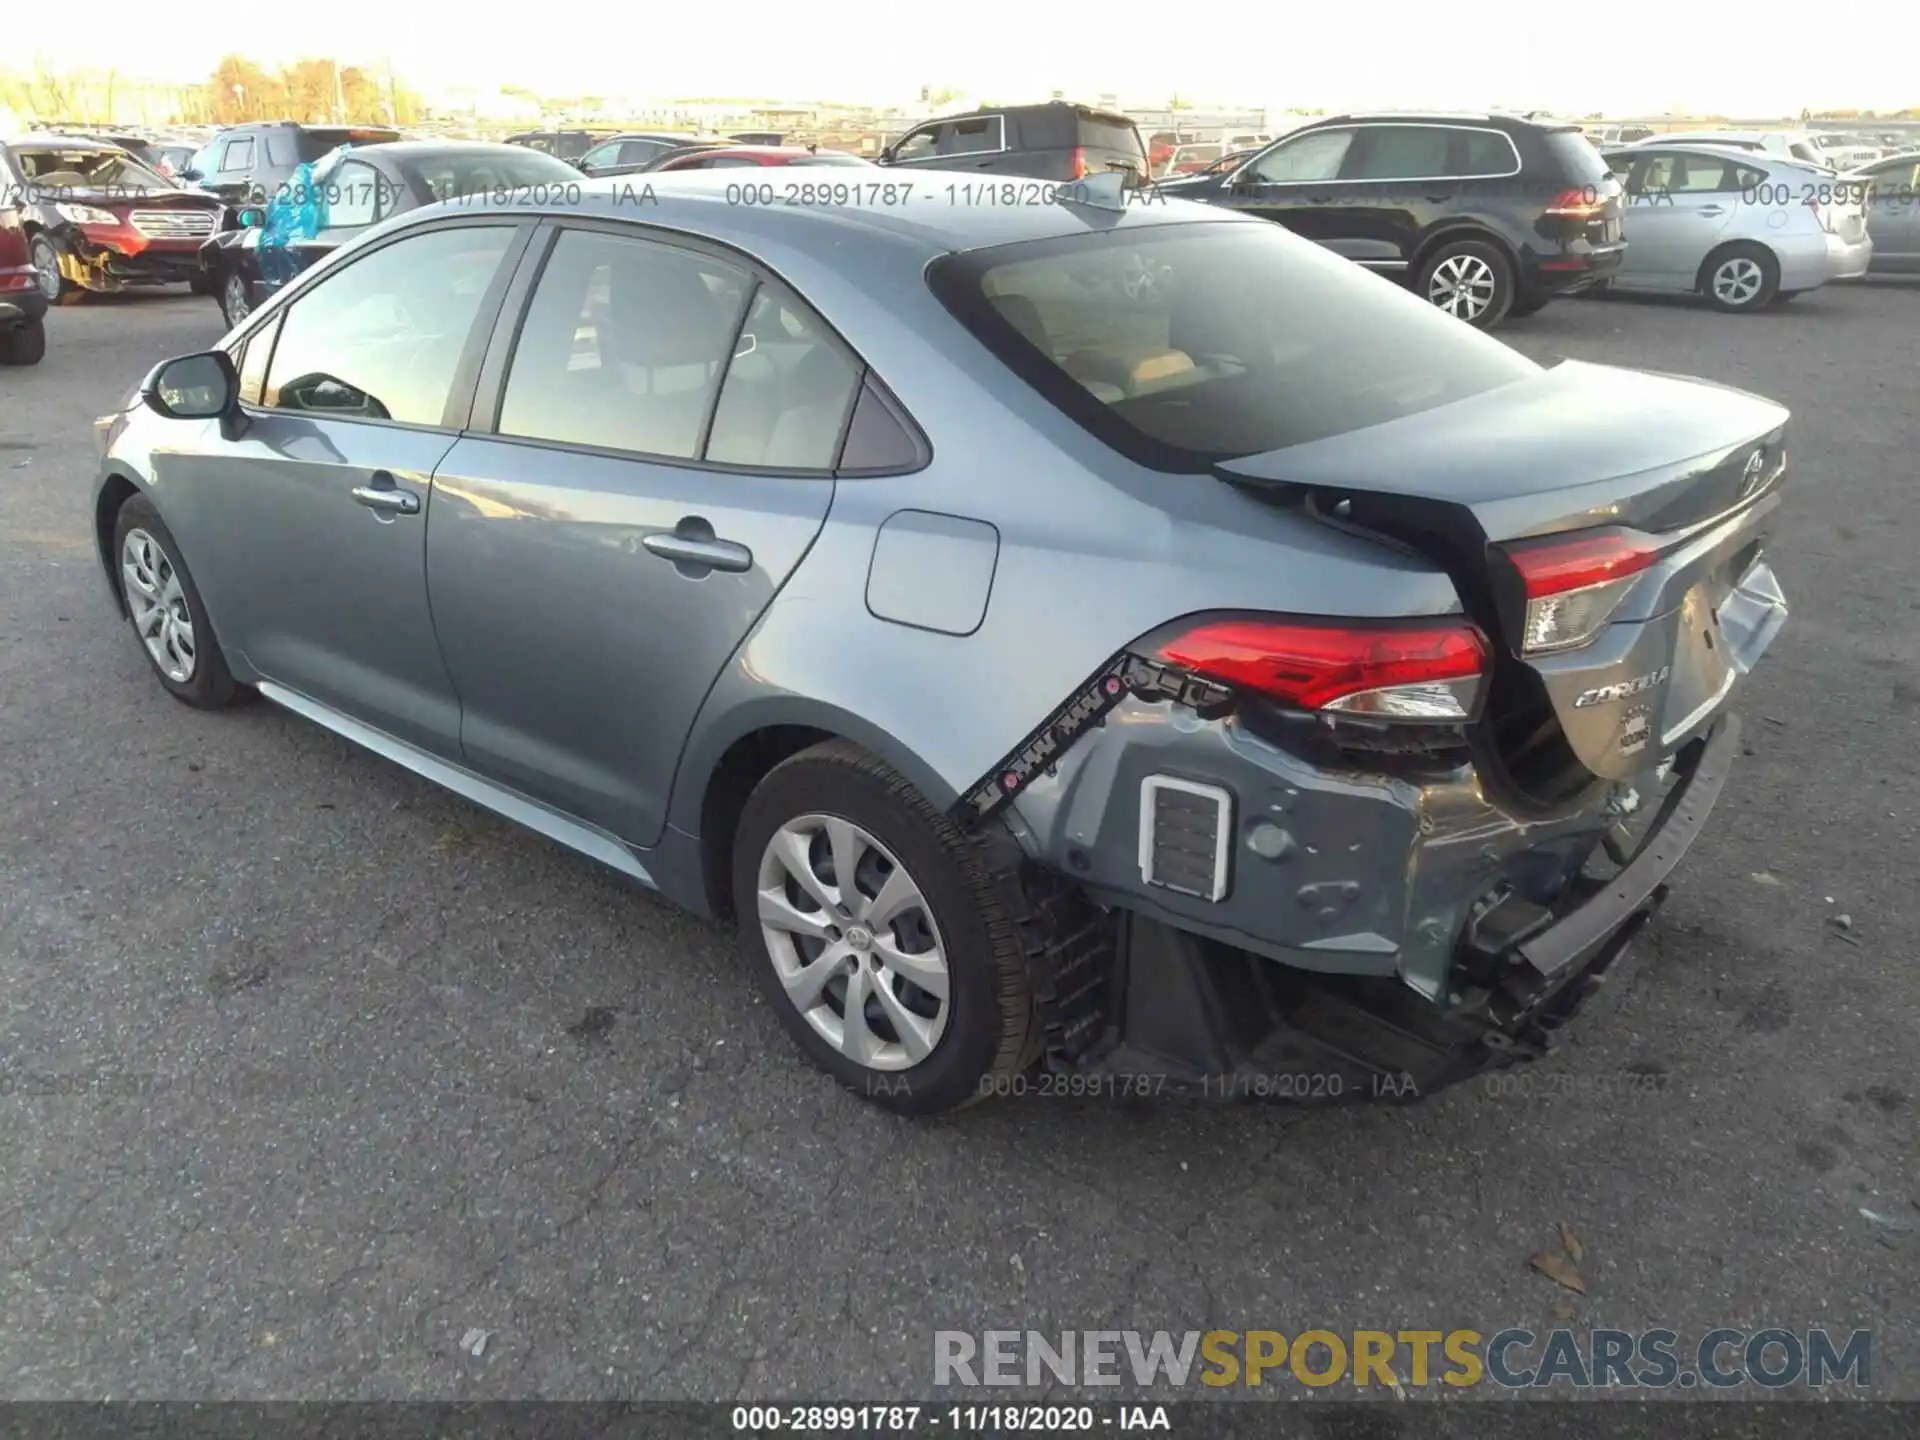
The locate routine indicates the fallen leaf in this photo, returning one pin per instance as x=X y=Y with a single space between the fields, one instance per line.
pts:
x=1562 y=1311
x=1558 y=1269
x=1570 y=1242
x=452 y=838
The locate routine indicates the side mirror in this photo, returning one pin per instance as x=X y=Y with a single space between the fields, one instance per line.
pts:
x=192 y=387
x=251 y=219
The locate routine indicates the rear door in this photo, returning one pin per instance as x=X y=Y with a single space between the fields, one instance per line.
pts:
x=1679 y=206
x=1395 y=181
x=651 y=455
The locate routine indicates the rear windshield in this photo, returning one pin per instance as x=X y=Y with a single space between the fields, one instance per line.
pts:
x=1184 y=345
x=1111 y=133
x=312 y=144
x=447 y=177
x=1576 y=157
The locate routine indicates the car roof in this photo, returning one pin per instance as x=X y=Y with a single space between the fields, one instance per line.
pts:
x=722 y=150
x=696 y=203
x=1487 y=118
x=1034 y=108
x=415 y=149
x=52 y=141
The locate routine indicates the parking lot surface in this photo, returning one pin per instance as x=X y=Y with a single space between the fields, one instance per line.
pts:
x=375 y=1070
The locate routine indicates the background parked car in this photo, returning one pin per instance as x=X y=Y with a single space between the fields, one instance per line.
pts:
x=247 y=163
x=23 y=305
x=1485 y=215
x=1893 y=212
x=631 y=153
x=351 y=189
x=97 y=219
x=1787 y=144
x=567 y=144
x=1056 y=141
x=726 y=157
x=1743 y=228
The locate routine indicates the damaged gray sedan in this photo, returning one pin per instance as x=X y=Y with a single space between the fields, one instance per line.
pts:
x=1103 y=634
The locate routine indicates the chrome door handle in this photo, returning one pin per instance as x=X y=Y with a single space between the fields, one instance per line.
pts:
x=1713 y=210
x=383 y=494
x=701 y=551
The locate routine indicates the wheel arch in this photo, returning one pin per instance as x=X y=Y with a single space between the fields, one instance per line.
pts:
x=1449 y=231
x=729 y=756
x=115 y=490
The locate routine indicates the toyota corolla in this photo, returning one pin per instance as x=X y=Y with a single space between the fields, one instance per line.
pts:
x=1108 y=635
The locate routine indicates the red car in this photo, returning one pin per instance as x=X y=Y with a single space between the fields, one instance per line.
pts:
x=725 y=157
x=23 y=307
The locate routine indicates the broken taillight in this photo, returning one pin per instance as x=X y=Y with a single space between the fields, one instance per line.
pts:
x=1575 y=582
x=1392 y=670
x=1080 y=162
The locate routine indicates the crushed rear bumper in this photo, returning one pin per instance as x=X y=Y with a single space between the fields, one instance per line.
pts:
x=1172 y=1011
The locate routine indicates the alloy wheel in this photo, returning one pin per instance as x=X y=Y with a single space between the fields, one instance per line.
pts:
x=1738 y=280
x=1463 y=286
x=853 y=941
x=46 y=261
x=157 y=605
x=233 y=299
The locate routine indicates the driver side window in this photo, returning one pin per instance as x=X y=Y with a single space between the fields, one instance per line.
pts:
x=920 y=144
x=1311 y=157
x=381 y=338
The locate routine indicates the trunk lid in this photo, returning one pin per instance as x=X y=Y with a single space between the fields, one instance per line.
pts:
x=1695 y=465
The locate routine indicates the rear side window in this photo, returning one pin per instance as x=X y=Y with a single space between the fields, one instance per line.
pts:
x=787 y=391
x=972 y=137
x=623 y=346
x=238 y=155
x=1184 y=345
x=1481 y=153
x=1398 y=152
x=1573 y=154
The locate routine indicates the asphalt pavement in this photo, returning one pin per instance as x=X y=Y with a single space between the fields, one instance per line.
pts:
x=309 y=1071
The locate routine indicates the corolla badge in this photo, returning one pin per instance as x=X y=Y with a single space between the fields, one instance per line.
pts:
x=1607 y=694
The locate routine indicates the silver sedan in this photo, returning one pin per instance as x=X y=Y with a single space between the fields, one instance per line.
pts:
x=1742 y=229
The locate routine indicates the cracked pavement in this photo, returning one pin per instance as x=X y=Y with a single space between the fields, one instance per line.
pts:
x=381 y=1069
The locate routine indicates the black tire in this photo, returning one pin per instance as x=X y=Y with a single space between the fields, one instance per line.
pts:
x=232 y=292
x=1741 y=252
x=204 y=285
x=209 y=685
x=992 y=1030
x=1521 y=308
x=1490 y=260
x=24 y=344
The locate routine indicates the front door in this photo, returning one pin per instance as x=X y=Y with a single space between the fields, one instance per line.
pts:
x=661 y=460
x=1296 y=184
x=315 y=515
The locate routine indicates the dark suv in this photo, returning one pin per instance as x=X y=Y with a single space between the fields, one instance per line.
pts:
x=23 y=305
x=1056 y=141
x=247 y=163
x=565 y=144
x=1485 y=215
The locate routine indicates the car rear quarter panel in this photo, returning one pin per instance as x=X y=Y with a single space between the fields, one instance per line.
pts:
x=1093 y=553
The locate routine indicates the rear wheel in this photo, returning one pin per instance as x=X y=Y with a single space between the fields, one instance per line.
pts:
x=166 y=612
x=24 y=344
x=1471 y=280
x=1740 y=277
x=881 y=937
x=1520 y=309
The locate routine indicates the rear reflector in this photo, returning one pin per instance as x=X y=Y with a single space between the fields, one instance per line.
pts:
x=1402 y=670
x=1185 y=835
x=1574 y=582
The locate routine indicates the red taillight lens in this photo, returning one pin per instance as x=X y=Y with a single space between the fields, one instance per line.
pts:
x=1580 y=204
x=1079 y=163
x=1408 y=670
x=1575 y=582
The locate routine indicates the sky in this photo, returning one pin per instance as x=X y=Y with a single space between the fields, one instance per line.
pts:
x=1684 y=56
